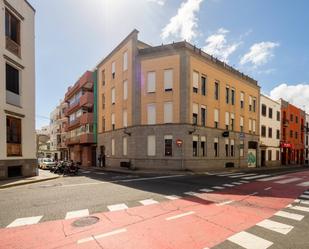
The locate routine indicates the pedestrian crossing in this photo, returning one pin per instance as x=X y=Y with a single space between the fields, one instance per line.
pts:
x=283 y=222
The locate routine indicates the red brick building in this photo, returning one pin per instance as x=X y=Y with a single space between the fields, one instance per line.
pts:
x=292 y=130
x=80 y=112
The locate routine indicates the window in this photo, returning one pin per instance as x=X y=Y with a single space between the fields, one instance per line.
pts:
x=103 y=124
x=12 y=79
x=113 y=70
x=103 y=77
x=216 y=118
x=233 y=96
x=254 y=104
x=125 y=90
x=269 y=155
x=194 y=146
x=241 y=124
x=13 y=136
x=216 y=90
x=203 y=115
x=203 y=146
x=263 y=131
x=242 y=99
x=226 y=147
x=277 y=155
x=250 y=125
x=203 y=85
x=227 y=120
x=232 y=143
x=113 y=147
x=216 y=147
x=253 y=126
x=125 y=118
x=168 y=112
x=232 y=121
x=125 y=61
x=296 y=119
x=270 y=113
x=278 y=116
x=168 y=148
x=227 y=94
x=264 y=108
x=151 y=145
x=125 y=146
x=103 y=101
x=12 y=33
x=296 y=134
x=113 y=121
x=291 y=117
x=151 y=82
x=113 y=95
x=195 y=82
x=278 y=134
x=151 y=114
x=250 y=103
x=270 y=132
x=168 y=80
x=195 y=114
x=291 y=134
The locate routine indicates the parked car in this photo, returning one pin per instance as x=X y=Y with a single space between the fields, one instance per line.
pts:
x=46 y=163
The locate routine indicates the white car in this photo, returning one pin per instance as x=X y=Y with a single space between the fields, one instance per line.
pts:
x=46 y=163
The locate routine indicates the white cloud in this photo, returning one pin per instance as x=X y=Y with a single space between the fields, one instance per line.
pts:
x=159 y=2
x=297 y=95
x=217 y=45
x=259 y=54
x=184 y=24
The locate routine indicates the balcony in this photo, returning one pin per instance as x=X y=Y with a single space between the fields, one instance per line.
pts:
x=86 y=138
x=72 y=141
x=86 y=118
x=87 y=99
x=73 y=124
x=285 y=122
x=85 y=81
x=12 y=46
x=72 y=108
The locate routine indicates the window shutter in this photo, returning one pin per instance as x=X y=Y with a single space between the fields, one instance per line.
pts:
x=151 y=82
x=125 y=118
x=125 y=90
x=168 y=79
x=250 y=100
x=168 y=112
x=242 y=96
x=151 y=145
x=113 y=147
x=195 y=79
x=195 y=138
x=226 y=141
x=216 y=114
x=113 y=67
x=216 y=140
x=250 y=124
x=151 y=113
x=168 y=137
x=125 y=146
x=227 y=118
x=232 y=142
x=113 y=95
x=254 y=125
x=125 y=61
x=232 y=116
x=195 y=108
x=203 y=139
x=241 y=121
x=113 y=118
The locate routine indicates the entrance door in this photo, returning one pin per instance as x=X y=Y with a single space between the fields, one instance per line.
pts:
x=263 y=158
x=94 y=156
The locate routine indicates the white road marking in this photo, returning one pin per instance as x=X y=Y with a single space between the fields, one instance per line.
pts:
x=271 y=178
x=254 y=177
x=237 y=183
x=304 y=196
x=294 y=179
x=242 y=181
x=306 y=192
x=148 y=202
x=172 y=197
x=191 y=193
x=218 y=187
x=25 y=221
x=151 y=178
x=289 y=215
x=77 y=213
x=225 y=203
x=303 y=184
x=207 y=190
x=254 y=193
x=102 y=235
x=304 y=202
x=231 y=174
x=228 y=185
x=275 y=226
x=100 y=173
x=117 y=207
x=299 y=208
x=242 y=175
x=86 y=172
x=268 y=188
x=249 y=241
x=179 y=215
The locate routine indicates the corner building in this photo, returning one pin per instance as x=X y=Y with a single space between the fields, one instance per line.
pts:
x=175 y=107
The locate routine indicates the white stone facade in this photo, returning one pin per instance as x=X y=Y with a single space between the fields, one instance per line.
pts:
x=17 y=89
x=270 y=131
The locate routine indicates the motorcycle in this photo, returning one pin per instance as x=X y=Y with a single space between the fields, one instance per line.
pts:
x=70 y=168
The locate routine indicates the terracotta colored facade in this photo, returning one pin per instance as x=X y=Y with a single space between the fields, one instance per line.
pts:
x=293 y=130
x=80 y=138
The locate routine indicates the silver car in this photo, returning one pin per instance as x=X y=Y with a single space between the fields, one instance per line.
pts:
x=46 y=163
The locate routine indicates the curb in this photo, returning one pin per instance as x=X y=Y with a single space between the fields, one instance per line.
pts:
x=30 y=182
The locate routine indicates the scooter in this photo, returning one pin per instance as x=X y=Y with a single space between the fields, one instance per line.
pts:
x=70 y=168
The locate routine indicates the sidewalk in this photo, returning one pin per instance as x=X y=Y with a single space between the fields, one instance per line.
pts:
x=43 y=176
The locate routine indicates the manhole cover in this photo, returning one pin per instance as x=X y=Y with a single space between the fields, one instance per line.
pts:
x=85 y=221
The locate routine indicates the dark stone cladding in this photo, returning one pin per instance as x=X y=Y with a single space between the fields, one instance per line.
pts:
x=182 y=157
x=178 y=46
x=29 y=167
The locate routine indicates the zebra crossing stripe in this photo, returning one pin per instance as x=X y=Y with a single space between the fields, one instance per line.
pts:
x=275 y=226
x=207 y=190
x=228 y=185
x=239 y=176
x=237 y=183
x=304 y=196
x=117 y=207
x=249 y=241
x=231 y=174
x=271 y=178
x=191 y=193
x=148 y=202
x=303 y=184
x=294 y=179
x=218 y=187
x=25 y=221
x=76 y=214
x=299 y=208
x=254 y=177
x=289 y=215
x=172 y=197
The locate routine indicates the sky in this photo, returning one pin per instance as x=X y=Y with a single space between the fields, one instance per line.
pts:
x=268 y=40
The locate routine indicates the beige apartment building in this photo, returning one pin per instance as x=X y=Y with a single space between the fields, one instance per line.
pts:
x=175 y=107
x=17 y=89
x=270 y=130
